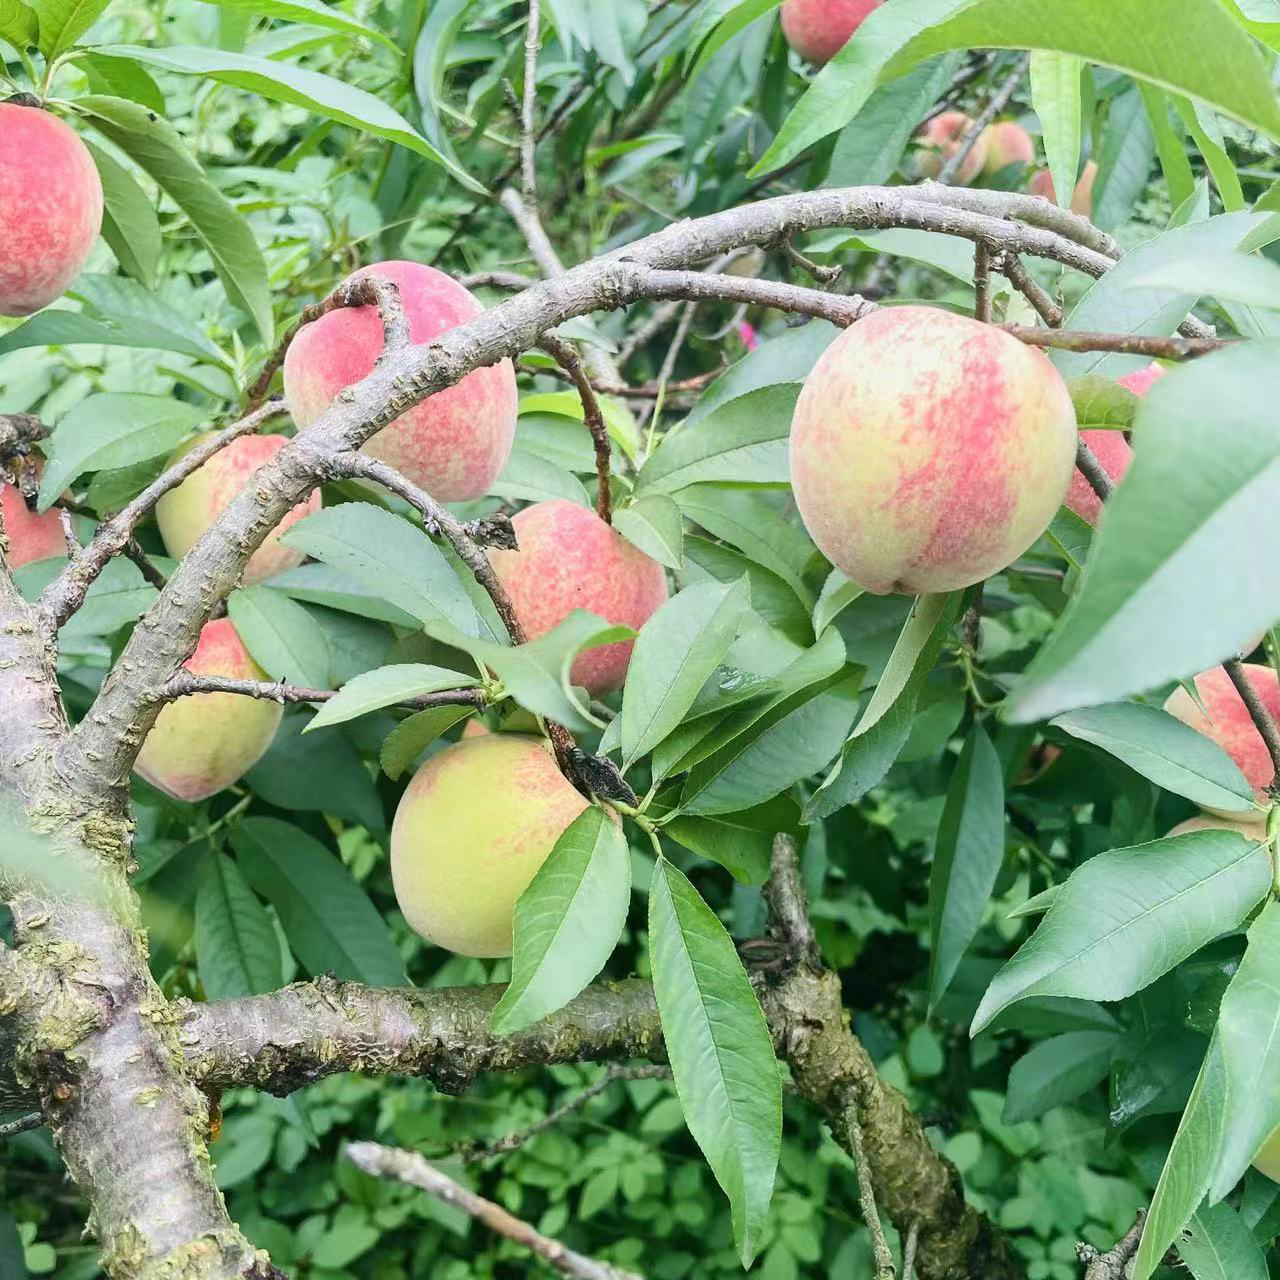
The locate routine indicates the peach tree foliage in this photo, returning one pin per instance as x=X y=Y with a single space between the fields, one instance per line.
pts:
x=1078 y=1006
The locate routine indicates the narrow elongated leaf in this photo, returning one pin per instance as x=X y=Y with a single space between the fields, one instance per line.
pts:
x=1249 y=1032
x=652 y=522
x=321 y=584
x=330 y=923
x=129 y=222
x=281 y=636
x=430 y=61
x=1174 y=162
x=1221 y=274
x=967 y=860
x=69 y=328
x=836 y=595
x=1218 y=1246
x=237 y=951
x=1166 y=751
x=532 y=478
x=1128 y=916
x=155 y=146
x=130 y=307
x=568 y=921
x=1174 y=580
x=407 y=741
x=675 y=653
x=1056 y=1071
x=720 y=1049
x=1055 y=95
x=312 y=12
x=384 y=688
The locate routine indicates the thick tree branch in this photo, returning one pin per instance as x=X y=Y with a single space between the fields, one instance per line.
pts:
x=1018 y=275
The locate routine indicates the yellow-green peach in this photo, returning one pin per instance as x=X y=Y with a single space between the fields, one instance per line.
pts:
x=470 y=832
x=456 y=442
x=184 y=513
x=818 y=29
x=929 y=451
x=204 y=742
x=570 y=559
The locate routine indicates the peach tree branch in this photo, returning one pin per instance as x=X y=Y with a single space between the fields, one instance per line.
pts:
x=566 y=357
x=186 y=683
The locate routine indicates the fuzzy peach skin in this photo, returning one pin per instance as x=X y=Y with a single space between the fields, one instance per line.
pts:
x=818 y=29
x=941 y=139
x=929 y=451
x=456 y=442
x=50 y=208
x=1140 y=381
x=570 y=559
x=1081 y=197
x=470 y=832
x=1214 y=822
x=184 y=513
x=1226 y=720
x=30 y=537
x=202 y=743
x=1007 y=143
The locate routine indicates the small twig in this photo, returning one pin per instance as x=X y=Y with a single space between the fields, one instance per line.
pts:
x=21 y=1125
x=133 y=549
x=1262 y=718
x=1112 y=1264
x=1125 y=343
x=823 y=275
x=527 y=139
x=978 y=65
x=909 y=1251
x=186 y=683
x=494 y=280
x=1093 y=471
x=987 y=115
x=646 y=391
x=676 y=343
x=982 y=283
x=579 y=1100
x=564 y=354
x=697 y=286
x=1021 y=279
x=788 y=913
x=867 y=1197
x=411 y=1168
x=69 y=533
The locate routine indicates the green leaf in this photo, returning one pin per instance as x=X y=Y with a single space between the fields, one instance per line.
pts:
x=970 y=850
x=720 y=1049
x=773 y=599
x=63 y=22
x=237 y=951
x=281 y=636
x=744 y=441
x=68 y=328
x=431 y=60
x=1249 y=1034
x=527 y=477
x=109 y=430
x=313 y=13
x=330 y=923
x=155 y=146
x=411 y=737
x=129 y=222
x=321 y=584
x=653 y=523
x=568 y=921
x=140 y=314
x=1102 y=404
x=718 y=22
x=837 y=594
x=675 y=653
x=121 y=78
x=1174 y=580
x=118 y=596
x=1218 y=1246
x=1056 y=1071
x=1174 y=161
x=1203 y=126
x=1128 y=916
x=19 y=25
x=392 y=557
x=1197 y=49
x=384 y=688
x=740 y=842
x=300 y=87
x=1055 y=95
x=1227 y=276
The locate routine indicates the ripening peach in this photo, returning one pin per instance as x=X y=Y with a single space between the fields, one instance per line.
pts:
x=470 y=832
x=1140 y=381
x=1081 y=197
x=50 y=208
x=929 y=451
x=941 y=138
x=204 y=742
x=1007 y=142
x=184 y=513
x=456 y=442
x=570 y=559
x=1215 y=822
x=30 y=537
x=818 y=29
x=1226 y=720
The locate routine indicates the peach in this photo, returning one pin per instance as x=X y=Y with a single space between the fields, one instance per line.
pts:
x=941 y=138
x=470 y=832
x=1226 y=720
x=570 y=559
x=818 y=29
x=202 y=743
x=456 y=442
x=1213 y=822
x=50 y=207
x=1007 y=143
x=1115 y=453
x=1081 y=197
x=928 y=451
x=184 y=513
x=1140 y=381
x=31 y=537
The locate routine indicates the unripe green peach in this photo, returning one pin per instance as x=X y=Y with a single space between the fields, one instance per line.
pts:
x=184 y=513
x=570 y=559
x=30 y=537
x=456 y=442
x=929 y=451
x=818 y=29
x=470 y=832
x=941 y=138
x=202 y=743
x=1007 y=142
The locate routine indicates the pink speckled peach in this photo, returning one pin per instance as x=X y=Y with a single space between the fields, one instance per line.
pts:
x=456 y=442
x=186 y=512
x=1081 y=197
x=570 y=559
x=470 y=832
x=817 y=29
x=929 y=451
x=1226 y=720
x=941 y=139
x=31 y=537
x=50 y=208
x=202 y=743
